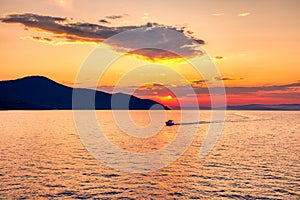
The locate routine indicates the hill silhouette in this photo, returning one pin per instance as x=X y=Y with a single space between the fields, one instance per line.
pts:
x=41 y=93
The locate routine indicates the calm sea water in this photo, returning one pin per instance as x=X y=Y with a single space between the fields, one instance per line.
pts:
x=256 y=157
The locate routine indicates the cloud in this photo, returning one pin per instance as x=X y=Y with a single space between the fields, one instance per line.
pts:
x=42 y=39
x=67 y=4
x=154 y=53
x=104 y=21
x=244 y=14
x=237 y=90
x=158 y=40
x=198 y=82
x=217 y=14
x=157 y=36
x=219 y=58
x=145 y=16
x=226 y=78
x=114 y=16
x=65 y=27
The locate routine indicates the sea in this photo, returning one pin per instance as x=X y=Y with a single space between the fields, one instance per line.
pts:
x=45 y=155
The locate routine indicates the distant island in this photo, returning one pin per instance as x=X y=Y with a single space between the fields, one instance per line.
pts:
x=41 y=93
x=286 y=107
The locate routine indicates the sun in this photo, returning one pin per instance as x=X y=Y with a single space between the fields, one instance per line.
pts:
x=169 y=97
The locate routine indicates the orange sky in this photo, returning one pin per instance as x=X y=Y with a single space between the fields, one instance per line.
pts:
x=254 y=44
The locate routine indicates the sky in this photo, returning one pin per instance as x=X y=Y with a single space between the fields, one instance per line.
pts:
x=253 y=44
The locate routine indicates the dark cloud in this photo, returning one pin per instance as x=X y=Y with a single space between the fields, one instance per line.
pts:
x=154 y=53
x=243 y=90
x=219 y=57
x=199 y=41
x=104 y=21
x=30 y=18
x=199 y=82
x=153 y=35
x=42 y=39
x=114 y=16
x=226 y=78
x=61 y=26
x=158 y=41
x=58 y=25
x=238 y=90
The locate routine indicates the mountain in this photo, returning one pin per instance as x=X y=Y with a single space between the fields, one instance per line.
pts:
x=41 y=93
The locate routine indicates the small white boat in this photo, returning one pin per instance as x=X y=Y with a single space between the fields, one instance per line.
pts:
x=170 y=123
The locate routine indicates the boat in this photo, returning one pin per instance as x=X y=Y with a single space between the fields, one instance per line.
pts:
x=170 y=123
